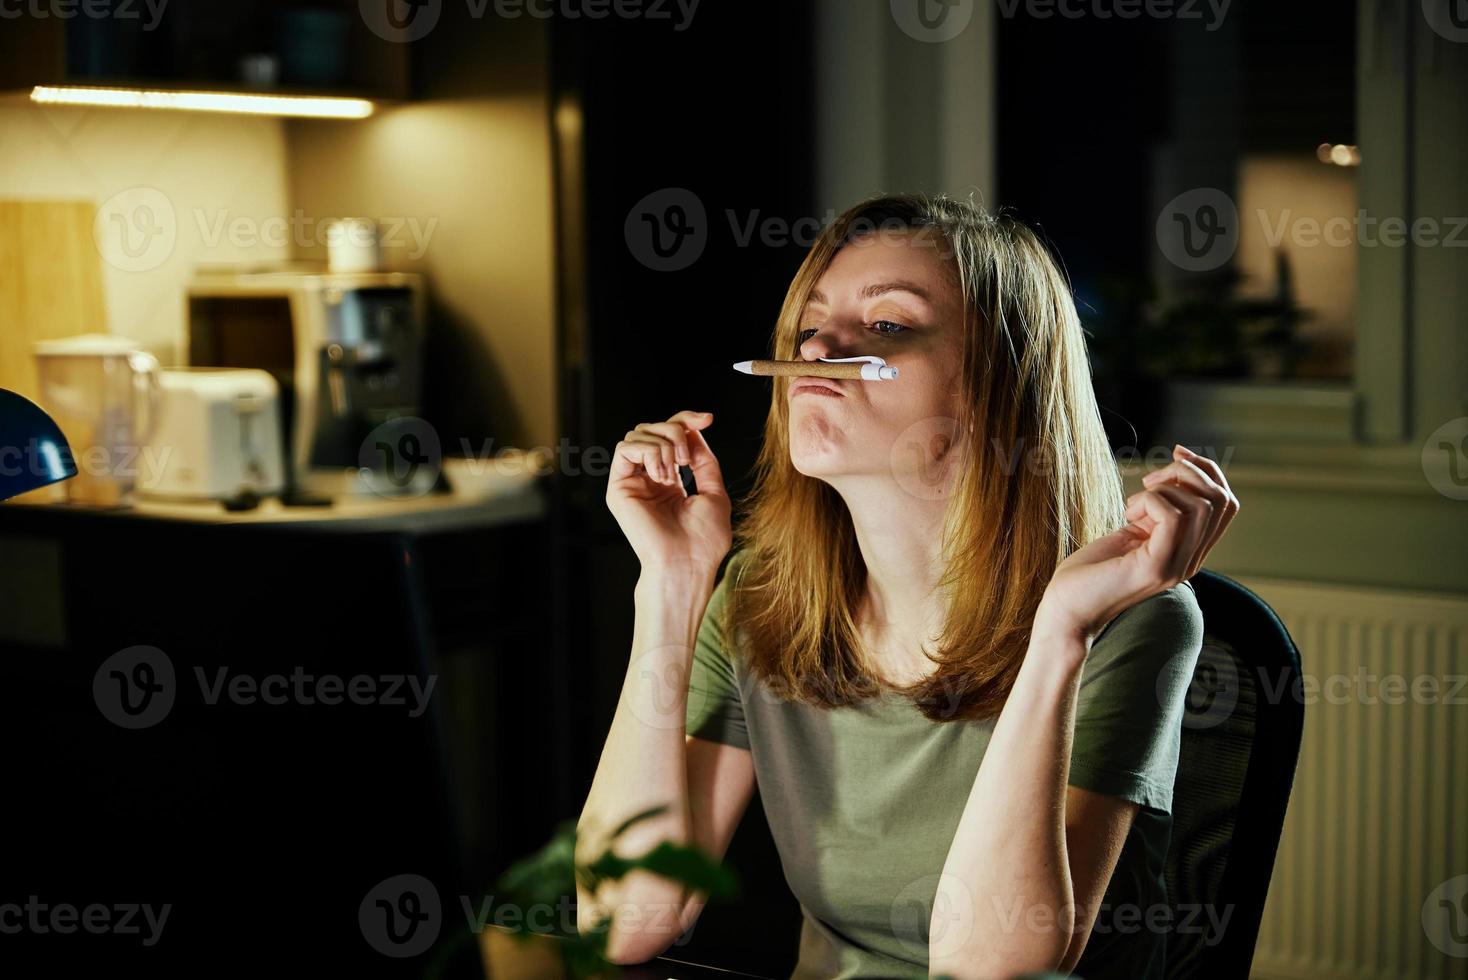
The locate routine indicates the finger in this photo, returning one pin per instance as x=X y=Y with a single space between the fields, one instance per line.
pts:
x=634 y=447
x=1118 y=543
x=667 y=448
x=667 y=441
x=1184 y=471
x=1197 y=516
x=1185 y=474
x=694 y=420
x=708 y=476
x=703 y=465
x=1167 y=534
x=677 y=429
x=1215 y=473
x=676 y=434
x=628 y=457
x=1218 y=520
x=654 y=454
x=1231 y=504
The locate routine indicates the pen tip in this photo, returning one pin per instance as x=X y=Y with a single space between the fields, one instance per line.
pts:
x=746 y=366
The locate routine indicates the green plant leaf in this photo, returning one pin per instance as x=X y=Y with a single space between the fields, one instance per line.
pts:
x=637 y=818
x=544 y=877
x=682 y=863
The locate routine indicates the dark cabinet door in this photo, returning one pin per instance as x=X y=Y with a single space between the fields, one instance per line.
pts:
x=258 y=727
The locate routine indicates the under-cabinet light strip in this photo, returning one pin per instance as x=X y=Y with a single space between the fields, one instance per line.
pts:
x=321 y=107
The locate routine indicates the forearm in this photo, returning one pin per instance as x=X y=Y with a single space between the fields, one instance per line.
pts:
x=643 y=765
x=1005 y=902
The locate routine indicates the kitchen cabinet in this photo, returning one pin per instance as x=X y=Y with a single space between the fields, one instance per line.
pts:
x=276 y=48
x=267 y=800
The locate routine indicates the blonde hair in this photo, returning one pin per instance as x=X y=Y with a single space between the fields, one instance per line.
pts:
x=1025 y=384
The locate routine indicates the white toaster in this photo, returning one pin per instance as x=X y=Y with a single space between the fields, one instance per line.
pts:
x=217 y=438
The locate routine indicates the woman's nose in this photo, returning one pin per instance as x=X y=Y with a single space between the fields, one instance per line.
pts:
x=828 y=341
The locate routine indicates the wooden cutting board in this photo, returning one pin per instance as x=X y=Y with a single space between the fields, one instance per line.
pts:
x=50 y=285
x=50 y=282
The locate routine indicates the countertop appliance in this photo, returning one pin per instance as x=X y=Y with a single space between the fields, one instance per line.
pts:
x=102 y=390
x=218 y=437
x=346 y=352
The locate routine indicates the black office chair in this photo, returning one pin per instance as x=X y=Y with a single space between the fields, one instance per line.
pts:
x=1240 y=744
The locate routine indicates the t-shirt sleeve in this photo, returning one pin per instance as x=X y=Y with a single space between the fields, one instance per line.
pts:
x=715 y=709
x=1129 y=712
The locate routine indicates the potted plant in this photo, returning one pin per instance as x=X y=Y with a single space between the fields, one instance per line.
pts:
x=543 y=879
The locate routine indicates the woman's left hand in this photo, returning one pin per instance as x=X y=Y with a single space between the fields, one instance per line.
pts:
x=1175 y=522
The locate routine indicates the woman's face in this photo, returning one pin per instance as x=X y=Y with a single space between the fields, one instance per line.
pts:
x=891 y=294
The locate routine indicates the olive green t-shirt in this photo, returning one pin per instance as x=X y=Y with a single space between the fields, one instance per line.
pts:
x=863 y=801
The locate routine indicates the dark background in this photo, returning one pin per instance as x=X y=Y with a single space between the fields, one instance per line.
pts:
x=274 y=817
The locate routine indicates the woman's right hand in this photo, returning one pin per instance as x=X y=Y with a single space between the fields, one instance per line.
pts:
x=668 y=528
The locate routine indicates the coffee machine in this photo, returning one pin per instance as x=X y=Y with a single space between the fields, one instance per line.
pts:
x=346 y=349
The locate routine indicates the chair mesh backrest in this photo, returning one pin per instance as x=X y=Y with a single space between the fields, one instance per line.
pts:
x=1219 y=725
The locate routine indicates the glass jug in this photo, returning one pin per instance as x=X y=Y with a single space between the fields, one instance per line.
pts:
x=104 y=393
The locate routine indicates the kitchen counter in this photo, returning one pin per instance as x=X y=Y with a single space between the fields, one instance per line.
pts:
x=469 y=504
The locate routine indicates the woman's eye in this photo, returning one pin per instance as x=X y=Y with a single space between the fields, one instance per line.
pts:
x=887 y=328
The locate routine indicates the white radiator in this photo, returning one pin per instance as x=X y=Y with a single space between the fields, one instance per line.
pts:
x=1378 y=820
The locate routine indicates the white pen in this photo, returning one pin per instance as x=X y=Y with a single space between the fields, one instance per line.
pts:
x=866 y=367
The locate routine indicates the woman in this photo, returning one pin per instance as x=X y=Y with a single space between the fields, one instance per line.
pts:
x=950 y=655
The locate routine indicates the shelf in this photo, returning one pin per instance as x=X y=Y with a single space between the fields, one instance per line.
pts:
x=1260 y=412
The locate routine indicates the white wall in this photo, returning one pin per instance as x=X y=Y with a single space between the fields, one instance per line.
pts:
x=467 y=185
x=169 y=178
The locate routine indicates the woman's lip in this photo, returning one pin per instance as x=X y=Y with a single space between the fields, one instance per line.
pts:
x=819 y=386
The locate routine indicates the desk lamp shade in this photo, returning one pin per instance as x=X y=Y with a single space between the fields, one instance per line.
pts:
x=33 y=452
